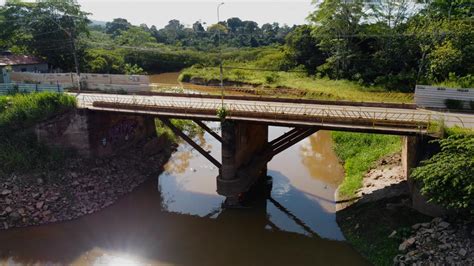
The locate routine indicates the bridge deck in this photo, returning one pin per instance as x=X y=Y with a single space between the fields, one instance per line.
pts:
x=350 y=118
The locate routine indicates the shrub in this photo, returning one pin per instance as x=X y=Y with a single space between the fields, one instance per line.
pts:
x=454 y=104
x=448 y=177
x=19 y=148
x=23 y=110
x=185 y=77
x=471 y=104
x=271 y=78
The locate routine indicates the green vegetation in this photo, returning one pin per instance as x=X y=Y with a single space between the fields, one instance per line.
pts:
x=187 y=126
x=306 y=86
x=447 y=178
x=19 y=148
x=368 y=226
x=359 y=151
x=21 y=111
x=376 y=44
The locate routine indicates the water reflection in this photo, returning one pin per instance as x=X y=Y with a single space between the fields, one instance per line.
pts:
x=304 y=180
x=181 y=222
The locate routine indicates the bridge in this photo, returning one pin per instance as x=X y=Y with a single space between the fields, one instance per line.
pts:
x=246 y=149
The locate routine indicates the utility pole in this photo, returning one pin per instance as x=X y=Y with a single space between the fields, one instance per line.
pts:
x=220 y=55
x=73 y=47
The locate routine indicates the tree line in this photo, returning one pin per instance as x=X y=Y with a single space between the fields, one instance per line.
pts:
x=392 y=43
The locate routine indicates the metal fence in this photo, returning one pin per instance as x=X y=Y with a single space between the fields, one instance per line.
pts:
x=10 y=88
x=435 y=97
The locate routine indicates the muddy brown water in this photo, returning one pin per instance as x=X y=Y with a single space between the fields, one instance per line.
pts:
x=177 y=219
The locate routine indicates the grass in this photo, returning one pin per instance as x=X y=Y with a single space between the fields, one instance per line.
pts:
x=21 y=111
x=310 y=86
x=359 y=151
x=20 y=150
x=367 y=227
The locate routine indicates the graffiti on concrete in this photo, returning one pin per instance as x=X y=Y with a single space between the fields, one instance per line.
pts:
x=122 y=132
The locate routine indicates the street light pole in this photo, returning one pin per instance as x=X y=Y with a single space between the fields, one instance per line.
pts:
x=220 y=55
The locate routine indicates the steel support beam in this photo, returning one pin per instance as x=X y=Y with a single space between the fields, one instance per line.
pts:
x=191 y=142
x=208 y=130
x=293 y=217
x=283 y=146
x=285 y=135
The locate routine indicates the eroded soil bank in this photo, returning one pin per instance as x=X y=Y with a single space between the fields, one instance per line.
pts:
x=380 y=223
x=82 y=186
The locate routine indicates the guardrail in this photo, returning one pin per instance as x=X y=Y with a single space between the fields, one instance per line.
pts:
x=9 y=88
x=384 y=117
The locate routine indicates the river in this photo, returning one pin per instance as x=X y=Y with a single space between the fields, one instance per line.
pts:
x=177 y=219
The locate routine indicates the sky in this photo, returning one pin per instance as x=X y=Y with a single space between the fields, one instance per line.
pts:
x=159 y=12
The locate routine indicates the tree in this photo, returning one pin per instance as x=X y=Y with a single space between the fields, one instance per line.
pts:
x=115 y=27
x=448 y=177
x=302 y=48
x=135 y=36
x=47 y=28
x=337 y=25
x=197 y=27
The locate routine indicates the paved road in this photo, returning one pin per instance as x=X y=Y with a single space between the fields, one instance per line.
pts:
x=328 y=116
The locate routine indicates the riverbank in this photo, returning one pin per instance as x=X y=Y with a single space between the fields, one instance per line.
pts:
x=378 y=216
x=294 y=84
x=380 y=223
x=80 y=186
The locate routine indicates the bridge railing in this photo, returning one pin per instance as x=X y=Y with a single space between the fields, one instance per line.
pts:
x=275 y=110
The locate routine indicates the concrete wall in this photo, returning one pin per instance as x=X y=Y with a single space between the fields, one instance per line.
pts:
x=414 y=150
x=111 y=132
x=96 y=133
x=67 y=131
x=92 y=81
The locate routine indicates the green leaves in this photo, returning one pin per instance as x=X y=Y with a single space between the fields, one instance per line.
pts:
x=448 y=177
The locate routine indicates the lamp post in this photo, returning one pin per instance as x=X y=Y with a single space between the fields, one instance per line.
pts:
x=220 y=55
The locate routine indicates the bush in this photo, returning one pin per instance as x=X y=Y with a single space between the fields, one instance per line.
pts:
x=19 y=148
x=448 y=177
x=185 y=77
x=454 y=104
x=23 y=110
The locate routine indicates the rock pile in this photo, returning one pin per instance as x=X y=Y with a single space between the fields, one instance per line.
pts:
x=81 y=186
x=438 y=243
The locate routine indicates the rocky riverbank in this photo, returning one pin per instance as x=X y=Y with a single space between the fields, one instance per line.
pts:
x=82 y=186
x=381 y=224
x=438 y=243
x=384 y=180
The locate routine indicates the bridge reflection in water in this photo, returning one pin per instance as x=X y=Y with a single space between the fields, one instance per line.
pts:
x=181 y=223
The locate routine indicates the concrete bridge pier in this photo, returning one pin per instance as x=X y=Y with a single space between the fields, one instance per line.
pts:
x=242 y=142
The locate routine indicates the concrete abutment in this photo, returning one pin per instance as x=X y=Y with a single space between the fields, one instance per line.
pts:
x=414 y=150
x=96 y=133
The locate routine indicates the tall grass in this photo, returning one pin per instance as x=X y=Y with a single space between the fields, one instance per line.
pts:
x=359 y=151
x=19 y=148
x=23 y=110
